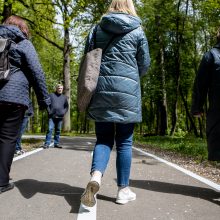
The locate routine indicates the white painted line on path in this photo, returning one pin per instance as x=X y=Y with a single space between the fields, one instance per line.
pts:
x=27 y=154
x=87 y=213
x=63 y=137
x=201 y=179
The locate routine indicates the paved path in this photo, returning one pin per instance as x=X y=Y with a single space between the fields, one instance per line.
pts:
x=49 y=184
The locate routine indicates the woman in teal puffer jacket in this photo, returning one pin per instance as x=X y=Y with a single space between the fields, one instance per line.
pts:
x=116 y=104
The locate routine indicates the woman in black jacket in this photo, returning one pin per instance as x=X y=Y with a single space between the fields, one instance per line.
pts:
x=207 y=82
x=25 y=71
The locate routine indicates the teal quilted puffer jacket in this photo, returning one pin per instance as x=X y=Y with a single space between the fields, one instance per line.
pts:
x=118 y=94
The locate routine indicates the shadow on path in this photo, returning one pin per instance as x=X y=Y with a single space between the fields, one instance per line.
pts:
x=106 y=198
x=29 y=187
x=171 y=188
x=76 y=148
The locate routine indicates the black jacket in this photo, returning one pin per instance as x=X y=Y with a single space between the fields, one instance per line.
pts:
x=59 y=105
x=207 y=82
x=26 y=69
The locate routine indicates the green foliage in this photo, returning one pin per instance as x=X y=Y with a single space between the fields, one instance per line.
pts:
x=187 y=31
x=187 y=145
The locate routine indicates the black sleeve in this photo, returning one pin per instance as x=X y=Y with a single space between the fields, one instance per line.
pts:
x=35 y=74
x=201 y=83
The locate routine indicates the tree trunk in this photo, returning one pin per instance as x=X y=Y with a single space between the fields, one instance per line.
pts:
x=77 y=122
x=162 y=100
x=84 y=124
x=201 y=125
x=179 y=39
x=66 y=72
x=188 y=113
x=151 y=117
x=35 y=119
x=200 y=128
x=7 y=10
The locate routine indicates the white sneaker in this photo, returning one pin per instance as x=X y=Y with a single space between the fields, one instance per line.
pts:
x=125 y=195
x=89 y=196
x=19 y=152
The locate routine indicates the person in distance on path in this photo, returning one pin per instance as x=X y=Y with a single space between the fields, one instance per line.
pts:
x=116 y=105
x=59 y=107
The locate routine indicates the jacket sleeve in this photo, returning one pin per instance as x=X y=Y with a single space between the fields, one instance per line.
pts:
x=35 y=74
x=143 y=56
x=201 y=84
x=30 y=111
x=66 y=106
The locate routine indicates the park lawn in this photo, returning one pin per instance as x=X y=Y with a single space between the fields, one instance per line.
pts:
x=186 y=146
x=31 y=144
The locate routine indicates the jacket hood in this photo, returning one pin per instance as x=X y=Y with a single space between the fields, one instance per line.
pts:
x=12 y=32
x=119 y=23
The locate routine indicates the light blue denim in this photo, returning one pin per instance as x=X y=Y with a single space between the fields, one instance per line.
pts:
x=106 y=134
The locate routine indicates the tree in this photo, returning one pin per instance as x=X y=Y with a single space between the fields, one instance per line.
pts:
x=7 y=9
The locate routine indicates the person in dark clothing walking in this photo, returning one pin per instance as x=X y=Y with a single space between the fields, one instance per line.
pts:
x=59 y=107
x=25 y=70
x=116 y=104
x=207 y=82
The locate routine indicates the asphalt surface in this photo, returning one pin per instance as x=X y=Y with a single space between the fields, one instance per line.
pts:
x=50 y=182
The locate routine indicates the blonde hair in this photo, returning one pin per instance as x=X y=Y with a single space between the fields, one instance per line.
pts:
x=125 y=6
x=58 y=85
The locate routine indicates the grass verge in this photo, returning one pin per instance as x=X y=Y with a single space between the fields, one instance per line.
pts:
x=186 y=146
x=31 y=144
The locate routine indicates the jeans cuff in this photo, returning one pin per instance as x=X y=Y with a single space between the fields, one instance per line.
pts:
x=122 y=185
x=101 y=171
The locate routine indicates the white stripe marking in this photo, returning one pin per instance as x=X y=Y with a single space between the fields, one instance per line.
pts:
x=63 y=137
x=27 y=154
x=201 y=179
x=87 y=213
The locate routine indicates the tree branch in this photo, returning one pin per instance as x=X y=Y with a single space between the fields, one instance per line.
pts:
x=33 y=25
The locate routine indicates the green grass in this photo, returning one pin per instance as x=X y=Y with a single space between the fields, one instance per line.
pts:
x=31 y=141
x=188 y=145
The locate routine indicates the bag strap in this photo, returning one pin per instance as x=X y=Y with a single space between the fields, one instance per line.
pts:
x=93 y=40
x=92 y=44
x=111 y=40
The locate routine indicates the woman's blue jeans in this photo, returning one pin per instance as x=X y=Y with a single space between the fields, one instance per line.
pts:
x=106 y=134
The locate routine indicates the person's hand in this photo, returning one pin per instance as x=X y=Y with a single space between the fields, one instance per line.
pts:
x=198 y=114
